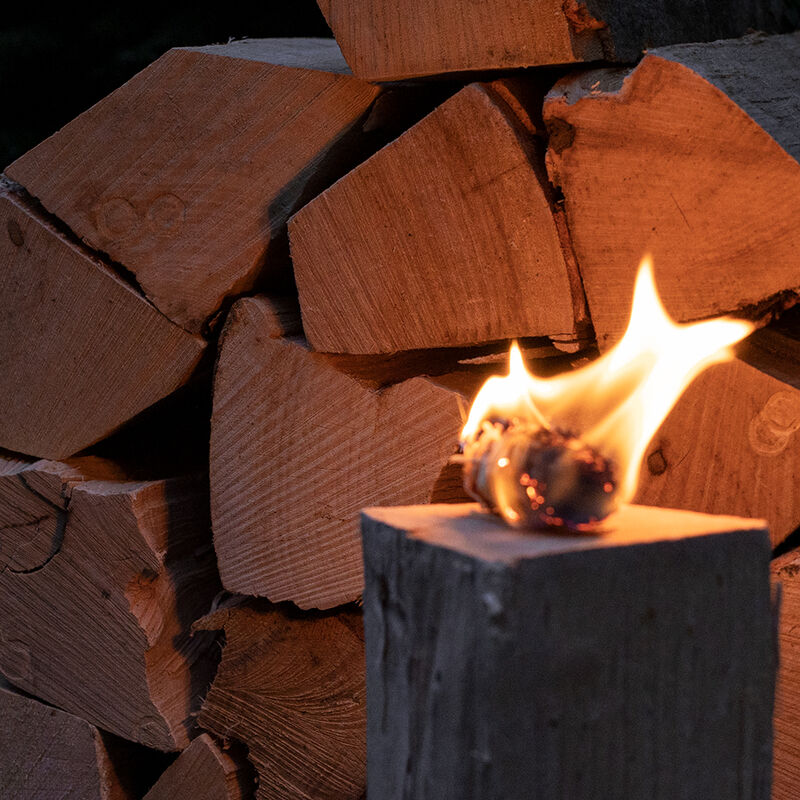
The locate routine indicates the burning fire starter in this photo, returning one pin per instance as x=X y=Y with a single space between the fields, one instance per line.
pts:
x=564 y=452
x=541 y=477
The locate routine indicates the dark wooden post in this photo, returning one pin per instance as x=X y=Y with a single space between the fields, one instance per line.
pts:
x=635 y=664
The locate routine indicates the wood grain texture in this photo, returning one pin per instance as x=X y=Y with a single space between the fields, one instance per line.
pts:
x=188 y=173
x=786 y=764
x=291 y=687
x=100 y=579
x=635 y=664
x=730 y=445
x=202 y=772
x=662 y=160
x=297 y=448
x=445 y=237
x=80 y=350
x=47 y=754
x=384 y=40
x=391 y=41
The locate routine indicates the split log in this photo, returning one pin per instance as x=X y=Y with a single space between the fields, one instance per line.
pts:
x=298 y=447
x=786 y=763
x=100 y=579
x=196 y=163
x=47 y=754
x=638 y=663
x=202 y=772
x=691 y=156
x=384 y=40
x=291 y=687
x=731 y=445
x=446 y=237
x=81 y=350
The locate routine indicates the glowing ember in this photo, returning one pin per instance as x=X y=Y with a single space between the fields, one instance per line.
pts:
x=564 y=451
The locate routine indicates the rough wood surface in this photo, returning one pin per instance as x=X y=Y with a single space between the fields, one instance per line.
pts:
x=664 y=160
x=100 y=579
x=384 y=40
x=786 y=764
x=47 y=754
x=636 y=664
x=445 y=237
x=297 y=448
x=291 y=687
x=730 y=445
x=202 y=772
x=188 y=173
x=81 y=351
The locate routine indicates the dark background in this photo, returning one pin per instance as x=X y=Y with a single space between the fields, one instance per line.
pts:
x=54 y=65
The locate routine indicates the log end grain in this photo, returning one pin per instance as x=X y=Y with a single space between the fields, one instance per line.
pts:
x=663 y=161
x=446 y=237
x=297 y=448
x=197 y=163
x=291 y=687
x=84 y=351
x=106 y=576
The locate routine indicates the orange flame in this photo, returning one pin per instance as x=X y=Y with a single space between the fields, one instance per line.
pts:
x=616 y=403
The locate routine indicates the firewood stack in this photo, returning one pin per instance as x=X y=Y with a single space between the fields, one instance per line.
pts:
x=324 y=253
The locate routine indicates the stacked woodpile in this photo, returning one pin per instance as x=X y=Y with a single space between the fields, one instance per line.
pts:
x=252 y=291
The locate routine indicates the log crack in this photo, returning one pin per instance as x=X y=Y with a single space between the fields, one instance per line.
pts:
x=62 y=516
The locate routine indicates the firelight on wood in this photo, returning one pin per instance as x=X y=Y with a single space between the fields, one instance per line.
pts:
x=565 y=451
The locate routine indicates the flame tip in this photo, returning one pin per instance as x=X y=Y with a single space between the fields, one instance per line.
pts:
x=616 y=402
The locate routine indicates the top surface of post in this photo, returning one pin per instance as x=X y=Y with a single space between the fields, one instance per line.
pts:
x=468 y=529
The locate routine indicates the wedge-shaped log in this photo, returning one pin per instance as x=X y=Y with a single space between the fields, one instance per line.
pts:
x=731 y=444
x=81 y=351
x=638 y=663
x=291 y=687
x=203 y=772
x=188 y=172
x=445 y=237
x=691 y=156
x=786 y=763
x=47 y=753
x=100 y=579
x=384 y=40
x=298 y=446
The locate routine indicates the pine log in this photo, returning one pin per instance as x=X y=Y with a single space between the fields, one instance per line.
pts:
x=196 y=163
x=384 y=40
x=81 y=351
x=47 y=754
x=100 y=579
x=731 y=445
x=291 y=687
x=634 y=664
x=691 y=156
x=446 y=237
x=786 y=764
x=298 y=446
x=202 y=772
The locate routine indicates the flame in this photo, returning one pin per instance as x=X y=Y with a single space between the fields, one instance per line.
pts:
x=616 y=403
